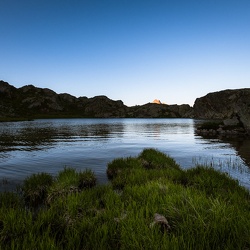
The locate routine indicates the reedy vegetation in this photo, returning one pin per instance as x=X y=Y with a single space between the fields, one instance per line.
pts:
x=202 y=209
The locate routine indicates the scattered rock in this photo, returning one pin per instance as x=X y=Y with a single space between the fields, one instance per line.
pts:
x=122 y=217
x=223 y=131
x=162 y=221
x=234 y=121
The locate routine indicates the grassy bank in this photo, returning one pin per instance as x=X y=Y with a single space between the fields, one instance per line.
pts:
x=150 y=203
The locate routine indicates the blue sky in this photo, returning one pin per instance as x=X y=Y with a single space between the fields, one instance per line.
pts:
x=129 y=50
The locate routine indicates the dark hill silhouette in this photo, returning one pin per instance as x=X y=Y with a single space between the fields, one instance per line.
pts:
x=33 y=102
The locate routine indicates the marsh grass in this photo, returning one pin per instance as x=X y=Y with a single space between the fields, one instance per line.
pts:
x=203 y=208
x=226 y=165
x=35 y=188
x=10 y=200
x=232 y=166
x=4 y=181
x=69 y=181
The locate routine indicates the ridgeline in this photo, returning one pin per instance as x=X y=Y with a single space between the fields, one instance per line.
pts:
x=30 y=102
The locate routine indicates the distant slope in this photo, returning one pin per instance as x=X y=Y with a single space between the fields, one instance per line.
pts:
x=32 y=102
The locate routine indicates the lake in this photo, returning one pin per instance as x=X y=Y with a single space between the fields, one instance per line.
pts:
x=50 y=145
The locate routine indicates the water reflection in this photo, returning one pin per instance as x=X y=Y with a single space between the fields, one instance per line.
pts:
x=26 y=139
x=240 y=144
x=41 y=135
x=50 y=145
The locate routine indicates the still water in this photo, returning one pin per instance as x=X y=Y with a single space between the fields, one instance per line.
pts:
x=50 y=145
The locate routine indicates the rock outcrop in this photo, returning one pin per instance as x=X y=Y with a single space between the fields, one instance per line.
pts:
x=32 y=102
x=156 y=101
x=231 y=106
x=102 y=106
x=152 y=110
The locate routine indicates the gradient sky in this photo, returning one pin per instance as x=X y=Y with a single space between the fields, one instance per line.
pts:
x=129 y=50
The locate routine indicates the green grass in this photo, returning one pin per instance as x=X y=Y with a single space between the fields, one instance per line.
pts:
x=35 y=188
x=200 y=208
x=153 y=159
x=69 y=181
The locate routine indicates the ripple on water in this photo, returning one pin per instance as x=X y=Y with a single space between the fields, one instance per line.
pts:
x=50 y=145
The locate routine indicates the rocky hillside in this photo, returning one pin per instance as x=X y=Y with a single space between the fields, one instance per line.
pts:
x=33 y=102
x=30 y=101
x=232 y=106
x=153 y=110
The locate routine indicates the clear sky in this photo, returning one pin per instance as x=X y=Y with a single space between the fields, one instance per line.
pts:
x=130 y=50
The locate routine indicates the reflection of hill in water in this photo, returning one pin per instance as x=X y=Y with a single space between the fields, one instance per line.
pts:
x=241 y=145
x=27 y=138
x=33 y=138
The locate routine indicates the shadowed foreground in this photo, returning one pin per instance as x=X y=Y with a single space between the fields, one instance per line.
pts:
x=150 y=203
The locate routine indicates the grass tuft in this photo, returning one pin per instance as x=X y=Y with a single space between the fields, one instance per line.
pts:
x=69 y=181
x=117 y=166
x=154 y=159
x=35 y=188
x=86 y=179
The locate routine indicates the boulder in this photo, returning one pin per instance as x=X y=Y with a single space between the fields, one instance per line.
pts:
x=232 y=106
x=234 y=121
